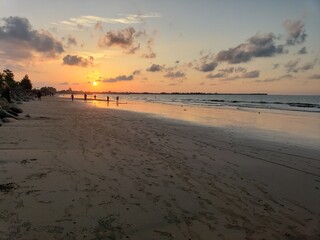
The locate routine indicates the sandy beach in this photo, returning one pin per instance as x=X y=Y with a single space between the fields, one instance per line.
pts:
x=75 y=171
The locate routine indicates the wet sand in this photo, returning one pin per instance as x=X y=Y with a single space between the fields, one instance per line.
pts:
x=73 y=171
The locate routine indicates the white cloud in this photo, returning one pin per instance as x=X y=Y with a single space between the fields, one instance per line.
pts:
x=90 y=20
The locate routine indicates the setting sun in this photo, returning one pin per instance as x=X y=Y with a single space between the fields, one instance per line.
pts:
x=94 y=83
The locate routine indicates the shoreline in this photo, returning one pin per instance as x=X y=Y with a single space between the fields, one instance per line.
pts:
x=84 y=172
x=292 y=127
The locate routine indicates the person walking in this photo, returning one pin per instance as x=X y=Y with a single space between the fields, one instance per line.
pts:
x=39 y=95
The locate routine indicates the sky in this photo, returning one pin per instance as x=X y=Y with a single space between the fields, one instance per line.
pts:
x=223 y=46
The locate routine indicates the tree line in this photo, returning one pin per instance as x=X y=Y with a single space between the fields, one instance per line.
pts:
x=25 y=84
x=8 y=76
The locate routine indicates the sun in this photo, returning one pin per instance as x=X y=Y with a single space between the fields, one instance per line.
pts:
x=94 y=83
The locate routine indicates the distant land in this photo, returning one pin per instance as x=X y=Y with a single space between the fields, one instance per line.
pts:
x=69 y=91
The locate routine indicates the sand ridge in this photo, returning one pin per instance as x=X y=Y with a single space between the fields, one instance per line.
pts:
x=80 y=172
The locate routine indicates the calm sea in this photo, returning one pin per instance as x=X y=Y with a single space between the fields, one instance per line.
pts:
x=305 y=103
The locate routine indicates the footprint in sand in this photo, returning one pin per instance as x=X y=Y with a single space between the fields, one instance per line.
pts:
x=36 y=176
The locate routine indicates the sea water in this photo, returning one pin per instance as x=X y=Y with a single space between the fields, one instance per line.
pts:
x=304 y=103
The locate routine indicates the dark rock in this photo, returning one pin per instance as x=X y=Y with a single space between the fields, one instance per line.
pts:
x=4 y=102
x=5 y=114
x=12 y=112
x=9 y=120
x=16 y=109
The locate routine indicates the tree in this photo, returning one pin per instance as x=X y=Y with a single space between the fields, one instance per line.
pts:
x=1 y=80
x=26 y=83
x=48 y=90
x=9 y=78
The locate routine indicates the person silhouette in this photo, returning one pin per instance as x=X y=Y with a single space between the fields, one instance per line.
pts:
x=39 y=95
x=85 y=97
x=72 y=97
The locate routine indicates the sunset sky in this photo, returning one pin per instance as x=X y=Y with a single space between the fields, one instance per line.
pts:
x=169 y=45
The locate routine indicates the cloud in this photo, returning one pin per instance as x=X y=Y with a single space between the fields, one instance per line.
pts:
x=16 y=65
x=295 y=31
x=207 y=67
x=307 y=66
x=154 y=68
x=136 y=72
x=315 y=76
x=287 y=76
x=123 y=38
x=89 y=20
x=252 y=74
x=233 y=69
x=232 y=78
x=227 y=70
x=141 y=33
x=240 y=70
x=292 y=66
x=177 y=74
x=71 y=40
x=245 y=74
x=133 y=49
x=149 y=55
x=64 y=83
x=275 y=66
x=98 y=26
x=119 y=79
x=75 y=60
x=256 y=46
x=18 y=39
x=218 y=75
x=303 y=50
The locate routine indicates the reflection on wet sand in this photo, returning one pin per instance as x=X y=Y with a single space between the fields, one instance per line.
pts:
x=270 y=124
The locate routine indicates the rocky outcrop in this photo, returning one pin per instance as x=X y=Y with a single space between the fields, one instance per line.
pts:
x=9 y=109
x=5 y=114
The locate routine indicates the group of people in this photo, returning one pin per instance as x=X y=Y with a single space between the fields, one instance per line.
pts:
x=94 y=96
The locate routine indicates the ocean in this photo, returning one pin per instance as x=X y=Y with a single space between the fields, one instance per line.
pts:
x=304 y=103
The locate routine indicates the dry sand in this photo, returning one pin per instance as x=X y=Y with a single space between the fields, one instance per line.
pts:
x=72 y=171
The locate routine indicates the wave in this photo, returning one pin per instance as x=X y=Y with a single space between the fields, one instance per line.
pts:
x=302 y=105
